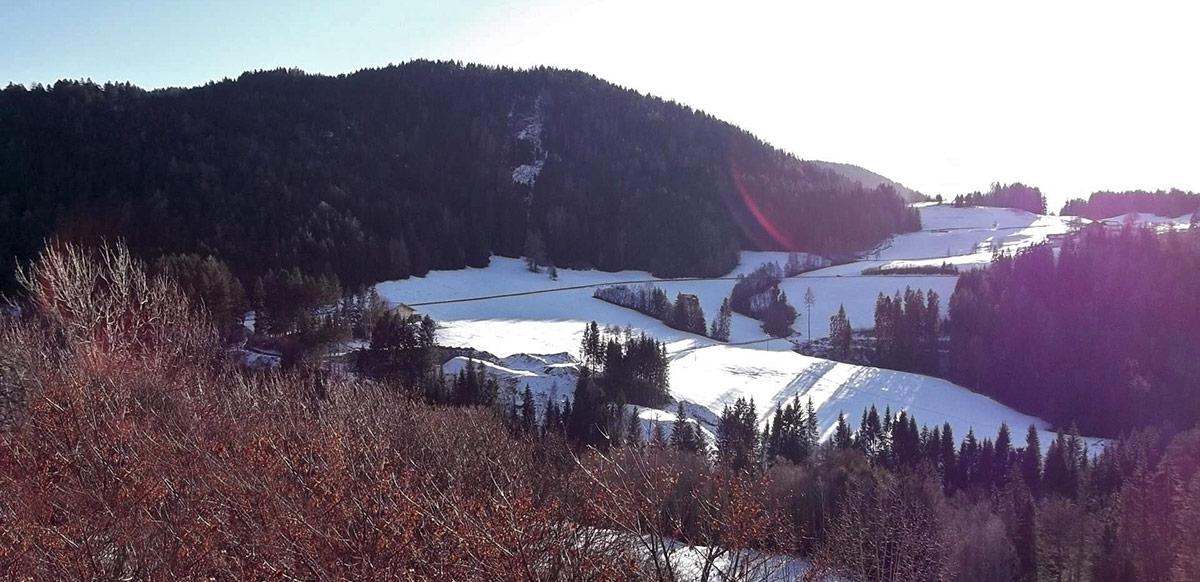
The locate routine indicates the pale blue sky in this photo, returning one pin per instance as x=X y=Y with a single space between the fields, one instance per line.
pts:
x=157 y=43
x=943 y=95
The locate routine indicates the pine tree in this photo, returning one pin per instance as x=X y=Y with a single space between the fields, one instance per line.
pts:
x=686 y=435
x=589 y=423
x=552 y=420
x=1003 y=458
x=1031 y=461
x=1024 y=533
x=869 y=434
x=842 y=437
x=812 y=434
x=633 y=430
x=968 y=460
x=590 y=346
x=987 y=462
x=737 y=437
x=949 y=461
x=681 y=432
x=932 y=440
x=1056 y=477
x=840 y=334
x=658 y=438
x=779 y=316
x=774 y=437
x=721 y=326
x=528 y=418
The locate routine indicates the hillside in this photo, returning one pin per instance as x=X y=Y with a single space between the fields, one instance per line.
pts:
x=536 y=322
x=392 y=172
x=870 y=179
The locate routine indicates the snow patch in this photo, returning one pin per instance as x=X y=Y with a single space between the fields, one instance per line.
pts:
x=1143 y=219
x=531 y=132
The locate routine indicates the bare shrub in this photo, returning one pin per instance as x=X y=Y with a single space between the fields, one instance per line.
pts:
x=142 y=453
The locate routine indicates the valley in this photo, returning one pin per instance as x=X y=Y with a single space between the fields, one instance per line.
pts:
x=533 y=324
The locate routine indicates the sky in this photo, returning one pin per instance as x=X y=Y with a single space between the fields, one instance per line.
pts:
x=945 y=97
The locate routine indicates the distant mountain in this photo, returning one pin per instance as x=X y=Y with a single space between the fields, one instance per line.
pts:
x=870 y=179
x=392 y=172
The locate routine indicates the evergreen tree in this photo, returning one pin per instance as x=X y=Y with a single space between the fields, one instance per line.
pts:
x=633 y=430
x=840 y=334
x=949 y=460
x=1057 y=477
x=812 y=435
x=779 y=316
x=968 y=460
x=1003 y=455
x=1031 y=460
x=681 y=430
x=870 y=434
x=687 y=315
x=590 y=346
x=591 y=419
x=552 y=419
x=658 y=438
x=737 y=436
x=986 y=465
x=721 y=326
x=1024 y=532
x=685 y=435
x=528 y=415
x=932 y=440
x=842 y=437
x=208 y=282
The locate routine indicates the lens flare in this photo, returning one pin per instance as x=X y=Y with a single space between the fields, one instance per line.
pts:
x=783 y=241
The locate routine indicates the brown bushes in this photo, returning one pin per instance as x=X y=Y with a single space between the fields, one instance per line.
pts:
x=140 y=452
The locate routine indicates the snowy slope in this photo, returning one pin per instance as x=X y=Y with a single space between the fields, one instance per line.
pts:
x=716 y=376
x=547 y=316
x=1144 y=219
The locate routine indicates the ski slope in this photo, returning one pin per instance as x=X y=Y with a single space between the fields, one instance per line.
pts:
x=548 y=316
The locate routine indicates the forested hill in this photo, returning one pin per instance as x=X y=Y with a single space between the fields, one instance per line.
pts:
x=1101 y=205
x=870 y=179
x=390 y=172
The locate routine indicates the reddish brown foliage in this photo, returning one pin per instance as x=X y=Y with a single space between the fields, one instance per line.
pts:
x=140 y=452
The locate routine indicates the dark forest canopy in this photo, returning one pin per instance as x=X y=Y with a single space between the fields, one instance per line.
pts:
x=1015 y=195
x=1100 y=205
x=1103 y=336
x=391 y=172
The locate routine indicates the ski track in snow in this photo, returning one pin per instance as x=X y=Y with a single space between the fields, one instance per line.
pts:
x=707 y=374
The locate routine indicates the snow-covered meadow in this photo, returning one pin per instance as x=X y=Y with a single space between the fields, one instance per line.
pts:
x=548 y=317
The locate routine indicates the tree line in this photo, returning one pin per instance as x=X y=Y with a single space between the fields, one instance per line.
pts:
x=392 y=172
x=1101 y=205
x=1015 y=195
x=907 y=330
x=1103 y=335
x=684 y=313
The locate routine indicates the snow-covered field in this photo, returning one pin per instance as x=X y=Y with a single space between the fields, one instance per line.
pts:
x=1153 y=220
x=548 y=317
